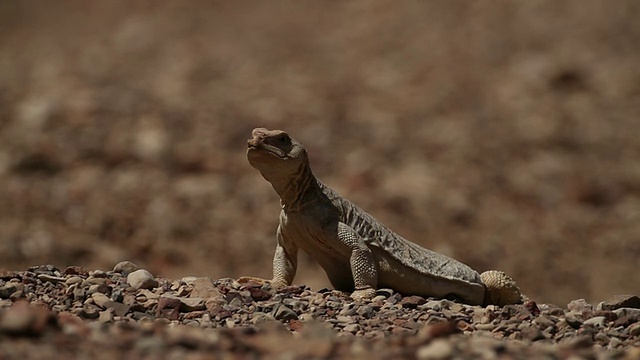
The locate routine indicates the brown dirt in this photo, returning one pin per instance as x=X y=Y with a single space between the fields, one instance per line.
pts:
x=504 y=134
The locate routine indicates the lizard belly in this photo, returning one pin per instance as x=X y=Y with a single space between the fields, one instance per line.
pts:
x=333 y=260
x=408 y=281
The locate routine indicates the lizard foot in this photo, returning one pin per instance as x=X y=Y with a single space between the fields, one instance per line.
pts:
x=501 y=289
x=246 y=279
x=260 y=281
x=366 y=293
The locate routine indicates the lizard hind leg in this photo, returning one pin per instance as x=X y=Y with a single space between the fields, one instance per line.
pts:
x=501 y=289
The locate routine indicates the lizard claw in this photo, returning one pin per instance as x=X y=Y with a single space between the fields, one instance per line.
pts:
x=361 y=294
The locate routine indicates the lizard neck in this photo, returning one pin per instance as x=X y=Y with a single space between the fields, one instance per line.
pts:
x=298 y=191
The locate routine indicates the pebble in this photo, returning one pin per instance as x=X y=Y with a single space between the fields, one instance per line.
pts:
x=99 y=307
x=598 y=321
x=125 y=267
x=141 y=279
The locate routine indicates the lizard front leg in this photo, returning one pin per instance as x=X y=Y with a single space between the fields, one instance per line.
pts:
x=285 y=260
x=362 y=261
x=285 y=263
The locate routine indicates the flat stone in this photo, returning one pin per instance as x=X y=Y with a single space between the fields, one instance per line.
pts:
x=192 y=304
x=620 y=301
x=599 y=321
x=142 y=279
x=204 y=288
x=119 y=309
x=106 y=316
x=51 y=278
x=629 y=312
x=100 y=299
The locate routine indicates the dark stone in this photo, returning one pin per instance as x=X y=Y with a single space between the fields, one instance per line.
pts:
x=169 y=308
x=412 y=301
x=258 y=294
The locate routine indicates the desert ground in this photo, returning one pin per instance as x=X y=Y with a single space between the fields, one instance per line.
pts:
x=503 y=134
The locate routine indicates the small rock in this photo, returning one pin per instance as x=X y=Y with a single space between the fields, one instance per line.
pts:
x=485 y=327
x=598 y=321
x=629 y=312
x=142 y=279
x=74 y=279
x=100 y=299
x=532 y=307
x=203 y=288
x=51 y=278
x=192 y=304
x=436 y=305
x=125 y=267
x=532 y=333
x=283 y=313
x=260 y=317
x=75 y=270
x=98 y=274
x=365 y=311
x=352 y=328
x=634 y=330
x=412 y=302
x=259 y=294
x=106 y=316
x=543 y=322
x=79 y=294
x=573 y=321
x=90 y=312
x=119 y=309
x=579 y=305
x=93 y=281
x=620 y=301
x=169 y=307
x=7 y=290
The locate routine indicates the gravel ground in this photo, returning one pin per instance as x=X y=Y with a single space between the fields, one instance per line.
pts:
x=128 y=313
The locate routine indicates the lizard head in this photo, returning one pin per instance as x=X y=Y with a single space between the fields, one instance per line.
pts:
x=275 y=154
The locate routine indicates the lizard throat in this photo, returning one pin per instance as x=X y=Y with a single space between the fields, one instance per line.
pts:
x=295 y=195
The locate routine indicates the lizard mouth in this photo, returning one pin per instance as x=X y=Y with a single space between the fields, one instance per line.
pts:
x=254 y=146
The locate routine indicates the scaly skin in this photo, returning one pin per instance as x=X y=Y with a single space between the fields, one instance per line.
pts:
x=357 y=252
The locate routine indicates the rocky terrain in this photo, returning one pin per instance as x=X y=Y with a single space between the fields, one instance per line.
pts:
x=128 y=313
x=502 y=134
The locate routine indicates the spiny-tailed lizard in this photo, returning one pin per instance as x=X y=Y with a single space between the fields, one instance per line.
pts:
x=357 y=252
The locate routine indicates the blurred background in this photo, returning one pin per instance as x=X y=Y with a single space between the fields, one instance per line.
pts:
x=505 y=134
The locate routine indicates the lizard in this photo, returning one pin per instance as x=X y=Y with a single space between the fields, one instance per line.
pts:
x=357 y=252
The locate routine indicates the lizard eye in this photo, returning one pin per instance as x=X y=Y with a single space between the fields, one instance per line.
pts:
x=284 y=139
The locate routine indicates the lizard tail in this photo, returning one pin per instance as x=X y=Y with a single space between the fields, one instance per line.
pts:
x=500 y=289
